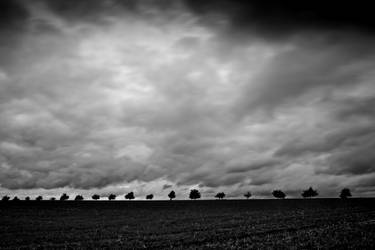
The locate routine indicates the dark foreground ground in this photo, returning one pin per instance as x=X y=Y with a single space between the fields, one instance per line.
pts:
x=270 y=224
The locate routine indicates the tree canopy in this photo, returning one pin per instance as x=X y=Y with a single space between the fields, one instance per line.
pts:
x=64 y=197
x=194 y=194
x=78 y=198
x=95 y=197
x=247 y=195
x=129 y=196
x=345 y=193
x=278 y=194
x=172 y=195
x=220 y=195
x=310 y=192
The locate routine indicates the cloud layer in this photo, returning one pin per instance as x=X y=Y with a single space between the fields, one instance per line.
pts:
x=152 y=95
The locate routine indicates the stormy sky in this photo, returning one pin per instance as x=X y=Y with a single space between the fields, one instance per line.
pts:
x=149 y=96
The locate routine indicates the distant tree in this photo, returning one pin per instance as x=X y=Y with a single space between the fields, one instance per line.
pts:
x=149 y=197
x=220 y=195
x=64 y=197
x=16 y=198
x=310 y=192
x=52 y=199
x=39 y=198
x=95 y=197
x=5 y=198
x=172 y=195
x=194 y=194
x=345 y=193
x=112 y=197
x=27 y=198
x=278 y=194
x=129 y=196
x=78 y=198
x=247 y=195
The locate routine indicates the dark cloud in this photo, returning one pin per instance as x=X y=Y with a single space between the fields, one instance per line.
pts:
x=13 y=14
x=114 y=96
x=166 y=186
x=356 y=160
x=259 y=164
x=277 y=19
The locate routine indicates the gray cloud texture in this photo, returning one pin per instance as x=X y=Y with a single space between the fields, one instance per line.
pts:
x=108 y=95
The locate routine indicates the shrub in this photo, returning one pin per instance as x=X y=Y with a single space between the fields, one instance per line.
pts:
x=149 y=197
x=112 y=197
x=345 y=193
x=16 y=198
x=95 y=197
x=5 y=198
x=220 y=195
x=52 y=199
x=194 y=194
x=310 y=192
x=78 y=198
x=278 y=194
x=64 y=197
x=247 y=195
x=172 y=195
x=39 y=198
x=27 y=198
x=129 y=196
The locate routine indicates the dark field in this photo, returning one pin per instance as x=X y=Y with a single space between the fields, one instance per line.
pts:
x=281 y=224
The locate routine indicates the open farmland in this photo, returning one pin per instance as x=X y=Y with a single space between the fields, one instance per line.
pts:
x=282 y=224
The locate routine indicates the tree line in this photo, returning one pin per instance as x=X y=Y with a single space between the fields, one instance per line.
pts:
x=193 y=195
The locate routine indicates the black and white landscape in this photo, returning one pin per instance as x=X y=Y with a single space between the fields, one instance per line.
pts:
x=172 y=123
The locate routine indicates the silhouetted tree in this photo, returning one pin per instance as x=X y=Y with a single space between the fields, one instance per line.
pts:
x=52 y=199
x=308 y=193
x=220 y=195
x=278 y=194
x=95 y=197
x=27 y=198
x=345 y=193
x=172 y=195
x=39 y=198
x=78 y=198
x=5 y=198
x=112 y=197
x=64 y=197
x=194 y=194
x=247 y=195
x=129 y=196
x=149 y=197
x=16 y=198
